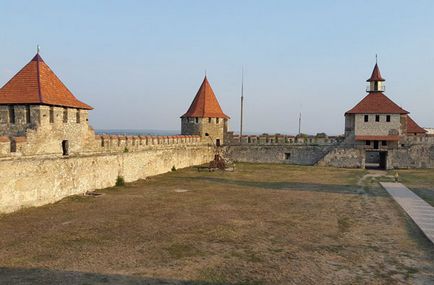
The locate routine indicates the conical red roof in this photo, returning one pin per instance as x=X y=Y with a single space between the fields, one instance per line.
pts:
x=205 y=104
x=36 y=83
x=413 y=127
x=376 y=75
x=376 y=103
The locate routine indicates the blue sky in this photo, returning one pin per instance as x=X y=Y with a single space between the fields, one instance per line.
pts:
x=140 y=63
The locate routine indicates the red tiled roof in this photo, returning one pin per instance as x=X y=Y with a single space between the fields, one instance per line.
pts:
x=205 y=104
x=376 y=103
x=413 y=127
x=377 y=138
x=376 y=75
x=36 y=83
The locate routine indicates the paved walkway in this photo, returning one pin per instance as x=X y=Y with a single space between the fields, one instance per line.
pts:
x=420 y=211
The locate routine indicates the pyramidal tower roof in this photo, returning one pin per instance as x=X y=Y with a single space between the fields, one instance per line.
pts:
x=36 y=83
x=376 y=75
x=205 y=104
x=376 y=102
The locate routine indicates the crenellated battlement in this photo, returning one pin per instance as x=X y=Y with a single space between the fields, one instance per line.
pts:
x=23 y=146
x=280 y=139
x=122 y=143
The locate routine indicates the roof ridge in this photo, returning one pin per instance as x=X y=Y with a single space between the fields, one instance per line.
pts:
x=16 y=74
x=205 y=83
x=38 y=75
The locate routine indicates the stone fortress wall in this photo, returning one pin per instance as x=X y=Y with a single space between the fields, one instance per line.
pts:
x=279 y=148
x=415 y=152
x=30 y=181
x=36 y=169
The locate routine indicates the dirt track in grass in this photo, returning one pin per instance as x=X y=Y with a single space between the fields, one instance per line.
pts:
x=262 y=224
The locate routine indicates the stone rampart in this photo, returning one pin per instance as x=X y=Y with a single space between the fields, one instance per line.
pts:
x=27 y=181
x=290 y=154
x=23 y=146
x=346 y=157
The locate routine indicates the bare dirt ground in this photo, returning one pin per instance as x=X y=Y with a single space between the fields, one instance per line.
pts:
x=263 y=224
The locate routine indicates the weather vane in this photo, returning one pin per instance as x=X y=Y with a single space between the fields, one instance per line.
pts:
x=38 y=48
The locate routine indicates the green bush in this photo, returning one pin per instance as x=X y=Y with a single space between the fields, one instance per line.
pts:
x=173 y=168
x=120 y=181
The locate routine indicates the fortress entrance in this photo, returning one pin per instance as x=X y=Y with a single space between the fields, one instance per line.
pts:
x=376 y=160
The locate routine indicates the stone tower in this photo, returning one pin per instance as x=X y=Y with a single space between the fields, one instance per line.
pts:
x=376 y=122
x=35 y=106
x=205 y=116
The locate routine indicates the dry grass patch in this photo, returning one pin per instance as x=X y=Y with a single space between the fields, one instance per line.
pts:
x=262 y=224
x=421 y=181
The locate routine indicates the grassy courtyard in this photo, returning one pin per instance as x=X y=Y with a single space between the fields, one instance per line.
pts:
x=262 y=224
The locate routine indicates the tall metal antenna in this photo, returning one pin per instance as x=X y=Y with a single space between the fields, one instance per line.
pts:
x=242 y=103
x=299 y=124
x=376 y=58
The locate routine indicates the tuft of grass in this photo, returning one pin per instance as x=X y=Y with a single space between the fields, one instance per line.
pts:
x=120 y=181
x=344 y=224
x=173 y=168
x=126 y=149
x=78 y=198
x=180 y=250
x=213 y=275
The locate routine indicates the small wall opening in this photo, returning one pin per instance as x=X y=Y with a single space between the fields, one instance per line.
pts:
x=51 y=114
x=287 y=155
x=65 y=147
x=65 y=115
x=217 y=142
x=28 y=114
x=13 y=146
x=11 y=114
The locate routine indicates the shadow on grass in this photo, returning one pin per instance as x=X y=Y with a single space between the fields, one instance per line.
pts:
x=425 y=193
x=288 y=186
x=42 y=276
